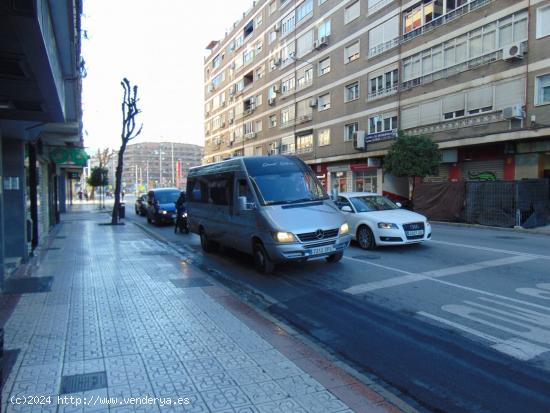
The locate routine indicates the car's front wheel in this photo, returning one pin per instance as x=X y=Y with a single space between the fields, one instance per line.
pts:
x=206 y=244
x=365 y=238
x=262 y=262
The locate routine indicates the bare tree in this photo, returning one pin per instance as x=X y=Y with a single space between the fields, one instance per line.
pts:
x=129 y=113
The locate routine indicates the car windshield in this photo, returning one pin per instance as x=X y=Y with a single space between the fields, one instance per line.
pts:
x=283 y=181
x=372 y=203
x=167 y=197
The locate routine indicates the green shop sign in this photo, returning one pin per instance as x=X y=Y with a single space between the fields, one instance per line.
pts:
x=73 y=156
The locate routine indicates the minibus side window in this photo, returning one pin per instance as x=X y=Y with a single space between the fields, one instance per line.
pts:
x=197 y=190
x=221 y=189
x=244 y=190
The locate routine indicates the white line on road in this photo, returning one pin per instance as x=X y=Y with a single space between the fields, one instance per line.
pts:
x=479 y=247
x=429 y=275
x=379 y=265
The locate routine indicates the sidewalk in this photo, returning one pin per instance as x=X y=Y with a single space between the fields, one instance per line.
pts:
x=112 y=313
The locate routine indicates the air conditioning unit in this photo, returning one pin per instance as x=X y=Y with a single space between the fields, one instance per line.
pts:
x=232 y=90
x=359 y=140
x=231 y=120
x=222 y=124
x=250 y=135
x=313 y=103
x=276 y=88
x=513 y=51
x=276 y=62
x=513 y=112
x=277 y=27
x=271 y=101
x=321 y=42
x=304 y=118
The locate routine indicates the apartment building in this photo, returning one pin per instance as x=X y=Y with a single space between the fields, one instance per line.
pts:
x=332 y=81
x=159 y=164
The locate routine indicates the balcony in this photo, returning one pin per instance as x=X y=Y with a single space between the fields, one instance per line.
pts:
x=453 y=70
x=446 y=18
x=382 y=92
x=455 y=124
x=381 y=48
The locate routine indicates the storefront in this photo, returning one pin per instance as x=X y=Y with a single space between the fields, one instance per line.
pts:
x=365 y=177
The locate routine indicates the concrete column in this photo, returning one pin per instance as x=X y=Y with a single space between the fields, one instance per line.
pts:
x=61 y=187
x=14 y=217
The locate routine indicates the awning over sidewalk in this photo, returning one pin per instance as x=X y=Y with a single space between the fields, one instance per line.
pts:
x=74 y=156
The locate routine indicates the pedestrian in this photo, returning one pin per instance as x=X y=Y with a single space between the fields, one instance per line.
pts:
x=80 y=195
x=123 y=195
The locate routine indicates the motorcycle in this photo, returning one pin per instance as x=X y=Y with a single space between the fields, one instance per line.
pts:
x=182 y=223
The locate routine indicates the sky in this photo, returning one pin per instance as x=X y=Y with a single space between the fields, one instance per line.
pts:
x=159 y=45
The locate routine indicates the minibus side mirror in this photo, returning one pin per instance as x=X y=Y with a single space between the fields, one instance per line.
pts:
x=244 y=205
x=346 y=208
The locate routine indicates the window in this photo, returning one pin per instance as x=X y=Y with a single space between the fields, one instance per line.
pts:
x=288 y=84
x=422 y=14
x=382 y=123
x=258 y=126
x=248 y=55
x=479 y=100
x=287 y=115
x=322 y=2
x=384 y=83
x=304 y=44
x=352 y=92
x=512 y=29
x=288 y=53
x=271 y=37
x=375 y=5
x=248 y=128
x=351 y=52
x=453 y=106
x=304 y=10
x=272 y=7
x=304 y=110
x=324 y=29
x=288 y=145
x=351 y=12
x=349 y=130
x=199 y=189
x=323 y=102
x=543 y=17
x=258 y=47
x=258 y=100
x=271 y=94
x=288 y=23
x=304 y=77
x=259 y=20
x=216 y=61
x=384 y=36
x=323 y=137
x=220 y=188
x=542 y=93
x=248 y=29
x=272 y=121
x=324 y=66
x=258 y=151
x=304 y=143
x=260 y=71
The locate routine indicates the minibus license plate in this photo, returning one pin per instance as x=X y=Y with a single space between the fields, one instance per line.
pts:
x=321 y=250
x=415 y=233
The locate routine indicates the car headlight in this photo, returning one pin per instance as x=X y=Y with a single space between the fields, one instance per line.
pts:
x=163 y=212
x=344 y=228
x=281 y=236
x=387 y=225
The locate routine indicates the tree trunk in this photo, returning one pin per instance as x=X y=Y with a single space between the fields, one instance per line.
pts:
x=118 y=184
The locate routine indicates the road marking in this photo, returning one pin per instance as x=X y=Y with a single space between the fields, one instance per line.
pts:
x=429 y=275
x=478 y=247
x=542 y=291
x=514 y=347
x=379 y=265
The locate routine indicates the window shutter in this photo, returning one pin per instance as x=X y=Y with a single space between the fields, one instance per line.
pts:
x=480 y=98
x=430 y=112
x=509 y=93
x=391 y=29
x=409 y=117
x=453 y=103
x=305 y=43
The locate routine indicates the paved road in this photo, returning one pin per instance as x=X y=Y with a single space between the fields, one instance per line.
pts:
x=461 y=323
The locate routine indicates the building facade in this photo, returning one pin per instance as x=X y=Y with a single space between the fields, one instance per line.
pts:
x=40 y=120
x=159 y=164
x=333 y=81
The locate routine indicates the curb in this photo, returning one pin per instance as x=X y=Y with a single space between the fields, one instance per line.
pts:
x=538 y=231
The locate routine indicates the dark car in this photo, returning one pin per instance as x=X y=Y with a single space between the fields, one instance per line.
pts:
x=141 y=205
x=161 y=205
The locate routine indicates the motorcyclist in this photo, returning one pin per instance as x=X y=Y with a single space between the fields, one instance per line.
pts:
x=181 y=208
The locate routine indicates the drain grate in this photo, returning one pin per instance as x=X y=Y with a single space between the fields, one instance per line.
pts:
x=190 y=282
x=28 y=285
x=83 y=382
x=507 y=237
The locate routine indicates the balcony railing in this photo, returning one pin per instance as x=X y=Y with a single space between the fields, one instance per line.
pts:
x=381 y=48
x=467 y=121
x=382 y=92
x=453 y=70
x=304 y=118
x=307 y=149
x=446 y=18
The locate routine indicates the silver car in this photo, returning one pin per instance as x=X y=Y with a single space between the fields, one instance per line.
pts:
x=272 y=207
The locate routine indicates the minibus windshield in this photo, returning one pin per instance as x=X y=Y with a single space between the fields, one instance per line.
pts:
x=283 y=181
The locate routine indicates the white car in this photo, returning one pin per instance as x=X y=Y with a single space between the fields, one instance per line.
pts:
x=375 y=220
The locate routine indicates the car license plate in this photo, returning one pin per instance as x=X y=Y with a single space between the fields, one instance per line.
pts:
x=415 y=233
x=321 y=250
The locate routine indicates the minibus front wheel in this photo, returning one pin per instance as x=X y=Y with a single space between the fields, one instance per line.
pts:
x=206 y=244
x=262 y=262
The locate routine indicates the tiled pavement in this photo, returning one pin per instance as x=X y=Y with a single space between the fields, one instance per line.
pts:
x=129 y=309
